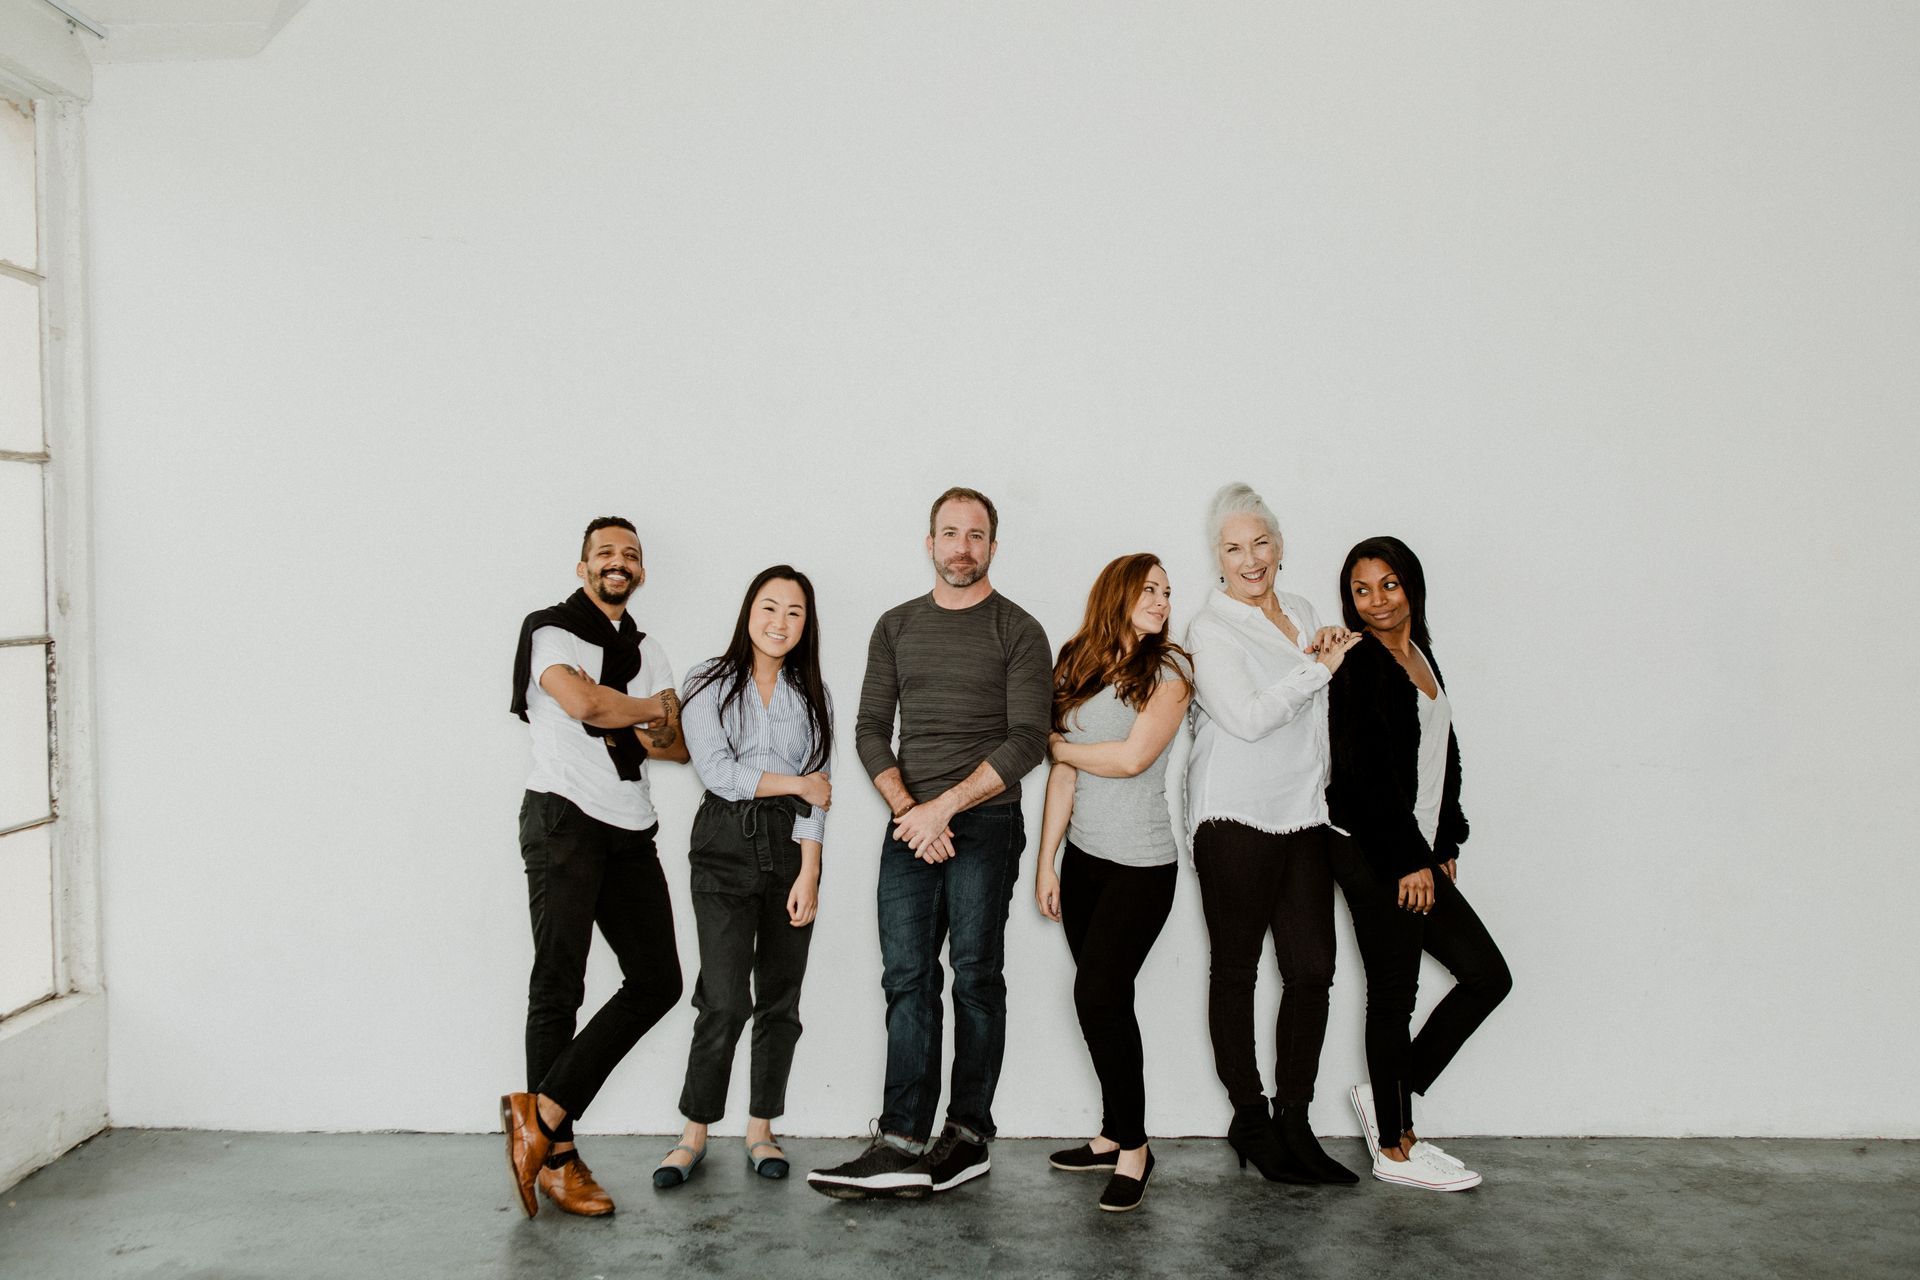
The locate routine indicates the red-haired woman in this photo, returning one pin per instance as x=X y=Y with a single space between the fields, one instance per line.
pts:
x=1120 y=692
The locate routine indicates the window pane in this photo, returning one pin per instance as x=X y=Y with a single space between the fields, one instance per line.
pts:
x=26 y=918
x=20 y=422
x=23 y=556
x=19 y=237
x=24 y=749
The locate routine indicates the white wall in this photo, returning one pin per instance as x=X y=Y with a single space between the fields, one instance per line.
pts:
x=1610 y=312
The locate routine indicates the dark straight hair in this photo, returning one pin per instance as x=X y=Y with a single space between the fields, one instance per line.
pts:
x=1399 y=557
x=732 y=669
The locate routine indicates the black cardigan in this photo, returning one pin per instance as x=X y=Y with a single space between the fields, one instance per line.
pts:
x=1374 y=718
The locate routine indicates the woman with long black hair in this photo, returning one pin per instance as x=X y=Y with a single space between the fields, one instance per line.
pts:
x=1120 y=693
x=759 y=725
x=1395 y=791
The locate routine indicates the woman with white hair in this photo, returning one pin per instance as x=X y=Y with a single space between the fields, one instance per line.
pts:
x=1257 y=815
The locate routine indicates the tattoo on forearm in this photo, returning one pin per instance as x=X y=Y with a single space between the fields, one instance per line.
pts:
x=664 y=732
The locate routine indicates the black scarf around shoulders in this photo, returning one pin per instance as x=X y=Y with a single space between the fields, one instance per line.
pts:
x=620 y=662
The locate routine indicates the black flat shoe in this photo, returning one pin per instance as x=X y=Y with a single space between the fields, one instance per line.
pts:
x=1084 y=1159
x=1124 y=1194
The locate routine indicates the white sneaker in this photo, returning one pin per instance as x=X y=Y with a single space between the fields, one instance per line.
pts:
x=1425 y=1171
x=1362 y=1098
x=1437 y=1153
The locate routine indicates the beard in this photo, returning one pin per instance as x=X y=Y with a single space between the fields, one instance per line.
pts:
x=611 y=592
x=962 y=571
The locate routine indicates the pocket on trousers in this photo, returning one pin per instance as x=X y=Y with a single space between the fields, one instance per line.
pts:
x=721 y=871
x=541 y=816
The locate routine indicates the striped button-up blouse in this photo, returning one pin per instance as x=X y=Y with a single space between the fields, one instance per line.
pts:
x=730 y=752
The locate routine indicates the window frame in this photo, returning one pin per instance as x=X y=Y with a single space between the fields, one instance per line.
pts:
x=65 y=464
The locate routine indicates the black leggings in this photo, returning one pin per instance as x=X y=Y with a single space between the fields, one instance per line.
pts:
x=1391 y=940
x=1112 y=914
x=1253 y=882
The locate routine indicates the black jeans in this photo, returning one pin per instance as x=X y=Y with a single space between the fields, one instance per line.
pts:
x=744 y=861
x=1253 y=882
x=1391 y=940
x=962 y=903
x=582 y=872
x=1112 y=914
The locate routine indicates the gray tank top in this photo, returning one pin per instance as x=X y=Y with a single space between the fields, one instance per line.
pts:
x=1122 y=820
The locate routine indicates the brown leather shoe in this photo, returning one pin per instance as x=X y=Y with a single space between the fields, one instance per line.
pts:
x=527 y=1147
x=572 y=1189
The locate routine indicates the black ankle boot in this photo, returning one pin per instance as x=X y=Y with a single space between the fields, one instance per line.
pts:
x=1290 y=1124
x=1252 y=1135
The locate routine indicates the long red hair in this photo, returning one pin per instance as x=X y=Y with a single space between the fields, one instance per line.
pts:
x=1104 y=651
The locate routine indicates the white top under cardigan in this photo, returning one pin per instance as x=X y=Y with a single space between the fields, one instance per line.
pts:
x=1436 y=722
x=1260 y=749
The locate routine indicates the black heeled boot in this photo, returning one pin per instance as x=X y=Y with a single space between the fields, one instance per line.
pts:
x=1252 y=1136
x=1290 y=1125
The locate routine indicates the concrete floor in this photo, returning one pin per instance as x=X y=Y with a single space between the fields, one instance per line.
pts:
x=145 y=1203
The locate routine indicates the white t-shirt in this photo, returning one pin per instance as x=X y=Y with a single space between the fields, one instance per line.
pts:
x=1436 y=722
x=572 y=763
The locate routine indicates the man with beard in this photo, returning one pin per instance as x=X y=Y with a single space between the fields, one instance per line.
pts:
x=971 y=676
x=586 y=835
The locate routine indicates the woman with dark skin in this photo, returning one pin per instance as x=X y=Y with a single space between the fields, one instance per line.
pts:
x=1395 y=791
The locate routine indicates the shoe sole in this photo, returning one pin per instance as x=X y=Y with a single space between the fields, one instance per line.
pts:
x=1465 y=1184
x=1367 y=1134
x=855 y=1191
x=967 y=1174
x=529 y=1203
x=1082 y=1168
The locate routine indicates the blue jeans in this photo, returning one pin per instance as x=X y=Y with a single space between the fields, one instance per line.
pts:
x=962 y=902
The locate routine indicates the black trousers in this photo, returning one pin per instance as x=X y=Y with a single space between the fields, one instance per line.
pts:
x=582 y=872
x=1254 y=882
x=744 y=861
x=1112 y=914
x=1391 y=940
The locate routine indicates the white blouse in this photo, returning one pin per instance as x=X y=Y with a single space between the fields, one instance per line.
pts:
x=1260 y=749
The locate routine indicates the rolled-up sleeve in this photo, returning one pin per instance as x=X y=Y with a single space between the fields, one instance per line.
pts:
x=720 y=770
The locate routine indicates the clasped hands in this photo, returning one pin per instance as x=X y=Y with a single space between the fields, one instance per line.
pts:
x=924 y=829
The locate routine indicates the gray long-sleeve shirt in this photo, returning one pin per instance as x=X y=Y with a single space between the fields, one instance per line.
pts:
x=970 y=684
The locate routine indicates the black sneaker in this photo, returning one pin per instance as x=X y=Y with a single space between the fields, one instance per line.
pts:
x=1084 y=1159
x=882 y=1171
x=955 y=1160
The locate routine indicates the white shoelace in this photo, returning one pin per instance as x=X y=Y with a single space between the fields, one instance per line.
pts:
x=1423 y=1146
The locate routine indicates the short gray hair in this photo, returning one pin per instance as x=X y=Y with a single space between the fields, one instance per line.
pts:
x=1237 y=499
